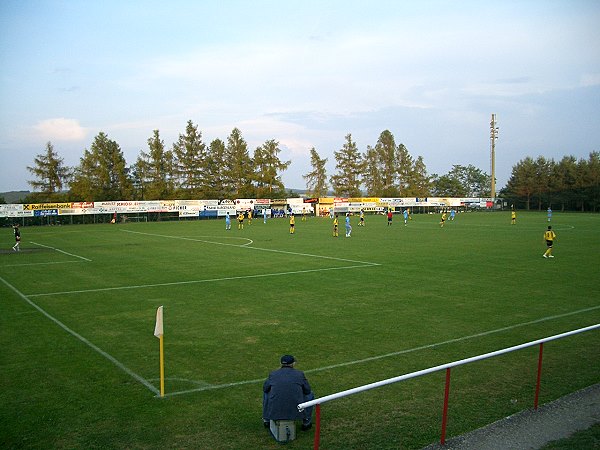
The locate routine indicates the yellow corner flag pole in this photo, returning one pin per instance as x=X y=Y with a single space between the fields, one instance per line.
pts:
x=158 y=332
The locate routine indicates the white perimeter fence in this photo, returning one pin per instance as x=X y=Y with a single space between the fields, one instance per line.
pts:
x=447 y=367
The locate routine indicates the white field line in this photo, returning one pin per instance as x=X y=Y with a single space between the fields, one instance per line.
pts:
x=366 y=263
x=356 y=265
x=249 y=241
x=42 y=263
x=84 y=340
x=527 y=227
x=62 y=251
x=210 y=280
x=388 y=355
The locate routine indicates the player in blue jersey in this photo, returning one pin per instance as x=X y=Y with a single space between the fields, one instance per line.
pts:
x=405 y=214
x=348 y=226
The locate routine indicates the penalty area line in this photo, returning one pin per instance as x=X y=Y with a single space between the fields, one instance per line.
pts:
x=210 y=280
x=62 y=251
x=42 y=263
x=366 y=263
x=94 y=347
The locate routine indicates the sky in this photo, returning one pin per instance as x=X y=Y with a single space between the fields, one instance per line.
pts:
x=305 y=73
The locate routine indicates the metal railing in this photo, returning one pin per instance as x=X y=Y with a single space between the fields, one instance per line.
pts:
x=447 y=367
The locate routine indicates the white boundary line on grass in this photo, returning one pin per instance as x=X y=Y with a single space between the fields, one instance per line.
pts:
x=84 y=340
x=359 y=264
x=62 y=251
x=42 y=263
x=209 y=280
x=366 y=263
x=206 y=386
x=387 y=355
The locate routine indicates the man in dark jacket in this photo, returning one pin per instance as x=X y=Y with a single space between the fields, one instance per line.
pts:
x=283 y=390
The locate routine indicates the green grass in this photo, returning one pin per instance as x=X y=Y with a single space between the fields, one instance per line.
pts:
x=235 y=301
x=583 y=440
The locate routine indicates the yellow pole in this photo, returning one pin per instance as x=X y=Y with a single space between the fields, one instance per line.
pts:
x=162 y=367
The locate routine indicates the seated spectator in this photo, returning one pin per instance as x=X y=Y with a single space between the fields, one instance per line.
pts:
x=283 y=391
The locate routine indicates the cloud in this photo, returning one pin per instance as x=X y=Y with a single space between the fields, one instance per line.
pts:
x=60 y=129
x=69 y=89
x=515 y=80
x=590 y=79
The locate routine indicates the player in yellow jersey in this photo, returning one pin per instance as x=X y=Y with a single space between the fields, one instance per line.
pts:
x=292 y=224
x=513 y=217
x=443 y=220
x=249 y=217
x=335 y=226
x=549 y=237
x=241 y=221
x=361 y=222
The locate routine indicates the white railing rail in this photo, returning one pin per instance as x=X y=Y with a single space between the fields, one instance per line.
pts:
x=447 y=367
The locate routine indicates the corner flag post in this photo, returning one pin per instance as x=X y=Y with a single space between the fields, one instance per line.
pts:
x=158 y=332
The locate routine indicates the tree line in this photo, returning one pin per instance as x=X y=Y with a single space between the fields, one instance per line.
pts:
x=389 y=170
x=192 y=169
x=225 y=169
x=569 y=184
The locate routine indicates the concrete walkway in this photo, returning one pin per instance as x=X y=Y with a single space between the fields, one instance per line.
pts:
x=531 y=429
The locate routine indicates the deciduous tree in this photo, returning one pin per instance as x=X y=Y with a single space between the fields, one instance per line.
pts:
x=522 y=180
x=419 y=183
x=447 y=186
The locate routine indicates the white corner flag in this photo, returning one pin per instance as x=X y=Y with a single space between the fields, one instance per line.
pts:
x=158 y=328
x=158 y=332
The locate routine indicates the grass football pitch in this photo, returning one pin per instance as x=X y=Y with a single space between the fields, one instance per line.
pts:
x=79 y=364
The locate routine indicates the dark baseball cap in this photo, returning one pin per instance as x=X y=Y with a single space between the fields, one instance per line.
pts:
x=288 y=359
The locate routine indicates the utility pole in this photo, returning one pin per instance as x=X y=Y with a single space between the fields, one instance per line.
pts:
x=493 y=137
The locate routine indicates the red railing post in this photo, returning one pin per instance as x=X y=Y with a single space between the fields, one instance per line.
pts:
x=445 y=412
x=317 y=427
x=539 y=377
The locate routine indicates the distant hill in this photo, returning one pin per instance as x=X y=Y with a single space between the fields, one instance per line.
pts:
x=14 y=196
